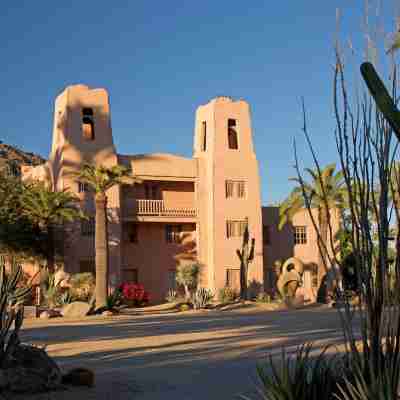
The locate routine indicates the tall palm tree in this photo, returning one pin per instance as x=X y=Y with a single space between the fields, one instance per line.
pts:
x=48 y=210
x=325 y=193
x=100 y=179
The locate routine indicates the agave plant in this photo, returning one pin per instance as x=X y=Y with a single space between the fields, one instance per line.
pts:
x=11 y=309
x=201 y=298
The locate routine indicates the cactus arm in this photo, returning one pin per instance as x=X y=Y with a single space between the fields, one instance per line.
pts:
x=381 y=96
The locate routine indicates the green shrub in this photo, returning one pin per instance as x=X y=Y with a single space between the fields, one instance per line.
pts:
x=227 y=295
x=184 y=307
x=114 y=300
x=82 y=286
x=187 y=275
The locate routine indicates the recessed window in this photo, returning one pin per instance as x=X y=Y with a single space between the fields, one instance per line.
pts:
x=204 y=136
x=87 y=265
x=235 y=189
x=300 y=234
x=171 y=279
x=130 y=275
x=266 y=235
x=232 y=278
x=232 y=134
x=235 y=228
x=88 y=227
x=130 y=233
x=87 y=124
x=83 y=187
x=173 y=233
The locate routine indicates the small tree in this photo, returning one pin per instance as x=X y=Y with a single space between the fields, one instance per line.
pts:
x=246 y=256
x=187 y=276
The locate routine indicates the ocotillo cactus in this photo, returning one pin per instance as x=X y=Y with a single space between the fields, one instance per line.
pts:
x=381 y=96
x=246 y=256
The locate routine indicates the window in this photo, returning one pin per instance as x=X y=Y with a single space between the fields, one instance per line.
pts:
x=204 y=136
x=235 y=228
x=130 y=232
x=129 y=275
x=232 y=134
x=83 y=187
x=87 y=124
x=266 y=235
x=229 y=189
x=173 y=233
x=146 y=191
x=88 y=227
x=171 y=283
x=232 y=278
x=300 y=235
x=154 y=192
x=87 y=265
x=235 y=188
x=241 y=189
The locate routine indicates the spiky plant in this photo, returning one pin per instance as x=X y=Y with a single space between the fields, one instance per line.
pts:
x=11 y=309
x=246 y=256
x=201 y=298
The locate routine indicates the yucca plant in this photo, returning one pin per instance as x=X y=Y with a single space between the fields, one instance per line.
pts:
x=300 y=377
x=201 y=298
x=11 y=309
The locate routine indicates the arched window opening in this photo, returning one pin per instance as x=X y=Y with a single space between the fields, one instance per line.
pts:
x=232 y=135
x=87 y=124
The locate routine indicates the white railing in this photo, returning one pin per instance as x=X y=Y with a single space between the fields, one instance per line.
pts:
x=157 y=207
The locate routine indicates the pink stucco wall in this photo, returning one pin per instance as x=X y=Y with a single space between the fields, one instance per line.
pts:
x=193 y=192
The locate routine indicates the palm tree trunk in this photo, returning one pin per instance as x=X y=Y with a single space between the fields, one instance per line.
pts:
x=323 y=224
x=50 y=249
x=101 y=244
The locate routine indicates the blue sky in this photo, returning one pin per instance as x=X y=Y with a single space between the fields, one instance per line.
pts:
x=159 y=60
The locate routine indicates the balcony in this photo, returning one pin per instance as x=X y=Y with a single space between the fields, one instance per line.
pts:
x=152 y=210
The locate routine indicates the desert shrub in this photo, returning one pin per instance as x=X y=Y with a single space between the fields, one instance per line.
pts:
x=184 y=307
x=115 y=299
x=187 y=276
x=134 y=294
x=227 y=295
x=65 y=298
x=82 y=286
x=201 y=298
x=302 y=376
x=263 y=297
x=172 y=296
x=51 y=291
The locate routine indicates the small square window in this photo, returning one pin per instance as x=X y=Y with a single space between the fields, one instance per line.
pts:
x=300 y=234
x=235 y=228
x=173 y=233
x=83 y=187
x=232 y=134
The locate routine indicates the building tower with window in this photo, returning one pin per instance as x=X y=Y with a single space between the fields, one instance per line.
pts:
x=228 y=191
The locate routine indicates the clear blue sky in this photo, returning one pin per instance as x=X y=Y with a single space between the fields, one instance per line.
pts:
x=159 y=60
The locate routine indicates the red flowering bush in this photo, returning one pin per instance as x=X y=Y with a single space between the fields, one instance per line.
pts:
x=134 y=293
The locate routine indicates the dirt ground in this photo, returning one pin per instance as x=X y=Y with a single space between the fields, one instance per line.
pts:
x=183 y=356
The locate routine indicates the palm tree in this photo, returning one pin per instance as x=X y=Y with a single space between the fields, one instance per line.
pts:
x=325 y=193
x=100 y=179
x=48 y=210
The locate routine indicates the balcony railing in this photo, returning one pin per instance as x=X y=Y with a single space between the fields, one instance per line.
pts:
x=157 y=208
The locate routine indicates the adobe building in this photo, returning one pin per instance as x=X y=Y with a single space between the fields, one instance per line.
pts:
x=185 y=209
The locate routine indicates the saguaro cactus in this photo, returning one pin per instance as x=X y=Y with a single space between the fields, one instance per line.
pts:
x=246 y=256
x=381 y=96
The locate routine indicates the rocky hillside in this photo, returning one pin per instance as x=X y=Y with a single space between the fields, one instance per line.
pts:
x=11 y=158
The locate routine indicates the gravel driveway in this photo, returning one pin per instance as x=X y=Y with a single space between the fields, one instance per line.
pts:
x=185 y=356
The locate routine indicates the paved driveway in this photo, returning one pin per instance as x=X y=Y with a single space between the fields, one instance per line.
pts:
x=185 y=356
